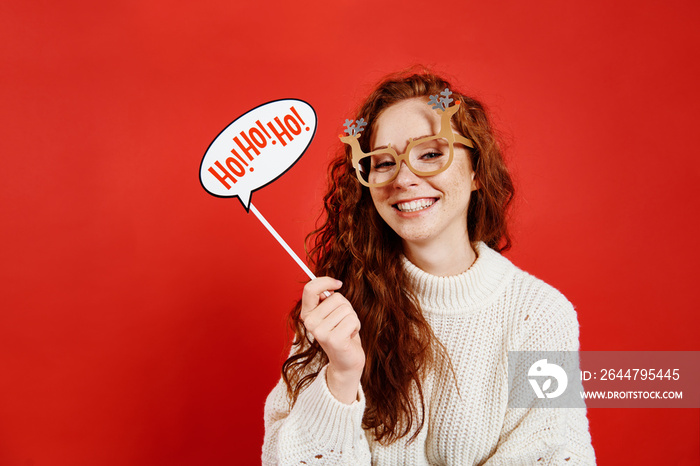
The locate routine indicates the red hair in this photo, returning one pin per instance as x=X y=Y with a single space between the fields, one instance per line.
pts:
x=354 y=245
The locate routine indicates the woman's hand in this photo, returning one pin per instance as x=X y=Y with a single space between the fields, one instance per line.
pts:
x=334 y=324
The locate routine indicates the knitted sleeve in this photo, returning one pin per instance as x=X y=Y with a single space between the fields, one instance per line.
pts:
x=318 y=429
x=545 y=436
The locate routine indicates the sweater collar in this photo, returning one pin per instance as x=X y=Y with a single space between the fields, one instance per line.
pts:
x=468 y=291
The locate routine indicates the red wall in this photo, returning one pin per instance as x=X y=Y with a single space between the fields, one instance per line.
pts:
x=142 y=319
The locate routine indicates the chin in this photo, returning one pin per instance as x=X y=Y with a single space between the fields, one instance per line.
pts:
x=413 y=236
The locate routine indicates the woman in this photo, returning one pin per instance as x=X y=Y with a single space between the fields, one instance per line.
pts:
x=402 y=356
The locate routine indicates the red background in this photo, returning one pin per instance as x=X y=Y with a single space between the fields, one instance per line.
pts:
x=143 y=320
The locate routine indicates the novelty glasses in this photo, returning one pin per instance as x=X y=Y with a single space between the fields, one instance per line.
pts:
x=425 y=156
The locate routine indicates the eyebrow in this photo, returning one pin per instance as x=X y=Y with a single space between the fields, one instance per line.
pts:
x=409 y=141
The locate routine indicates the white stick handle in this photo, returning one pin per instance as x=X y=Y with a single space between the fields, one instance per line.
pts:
x=284 y=244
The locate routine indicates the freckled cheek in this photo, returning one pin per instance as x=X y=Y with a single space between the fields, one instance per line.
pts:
x=378 y=197
x=459 y=185
x=381 y=203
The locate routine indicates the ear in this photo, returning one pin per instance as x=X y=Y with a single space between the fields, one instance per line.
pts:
x=475 y=183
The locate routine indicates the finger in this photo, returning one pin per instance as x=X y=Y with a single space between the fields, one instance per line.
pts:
x=332 y=320
x=348 y=327
x=356 y=331
x=313 y=291
x=314 y=317
x=338 y=340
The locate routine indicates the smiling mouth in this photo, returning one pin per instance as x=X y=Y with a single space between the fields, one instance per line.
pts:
x=414 y=206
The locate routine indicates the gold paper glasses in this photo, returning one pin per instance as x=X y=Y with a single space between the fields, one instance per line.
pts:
x=426 y=156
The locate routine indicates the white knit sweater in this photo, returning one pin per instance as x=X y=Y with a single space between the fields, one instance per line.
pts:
x=478 y=316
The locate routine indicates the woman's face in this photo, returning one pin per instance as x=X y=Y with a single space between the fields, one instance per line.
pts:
x=422 y=210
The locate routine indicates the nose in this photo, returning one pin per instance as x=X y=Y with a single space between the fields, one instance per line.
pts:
x=405 y=177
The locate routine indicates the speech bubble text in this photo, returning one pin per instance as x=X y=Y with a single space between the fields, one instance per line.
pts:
x=257 y=148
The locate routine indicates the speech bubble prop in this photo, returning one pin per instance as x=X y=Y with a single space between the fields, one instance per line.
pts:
x=257 y=148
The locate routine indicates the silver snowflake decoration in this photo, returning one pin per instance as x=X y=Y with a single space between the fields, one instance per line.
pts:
x=354 y=128
x=443 y=102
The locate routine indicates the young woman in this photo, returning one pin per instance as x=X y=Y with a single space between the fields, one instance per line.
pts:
x=401 y=348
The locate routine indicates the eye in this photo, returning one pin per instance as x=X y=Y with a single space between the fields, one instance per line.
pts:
x=383 y=162
x=430 y=151
x=384 y=165
x=433 y=154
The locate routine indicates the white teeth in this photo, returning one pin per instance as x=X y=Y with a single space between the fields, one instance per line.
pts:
x=414 y=206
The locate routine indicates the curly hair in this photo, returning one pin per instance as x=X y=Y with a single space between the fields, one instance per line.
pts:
x=356 y=246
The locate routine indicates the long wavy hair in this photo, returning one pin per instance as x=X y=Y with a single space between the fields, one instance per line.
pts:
x=354 y=245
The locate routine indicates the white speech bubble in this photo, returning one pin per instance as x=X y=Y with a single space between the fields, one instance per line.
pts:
x=257 y=148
